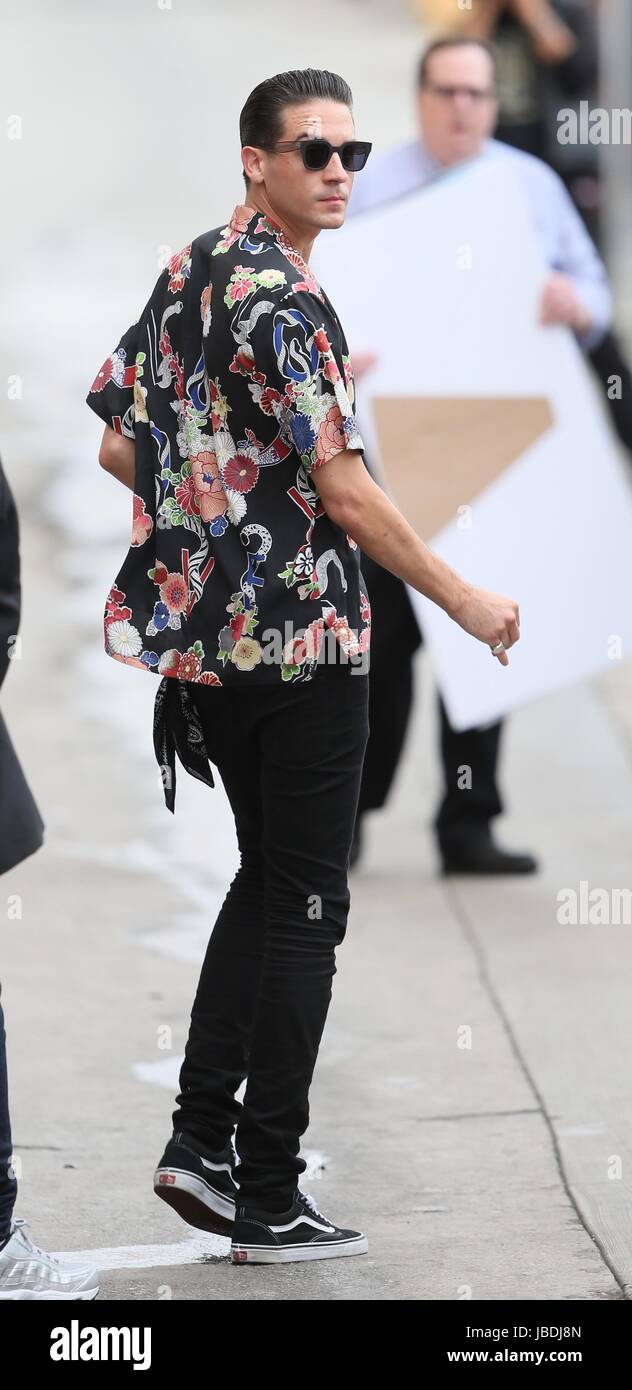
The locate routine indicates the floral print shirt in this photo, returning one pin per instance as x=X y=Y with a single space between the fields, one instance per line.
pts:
x=235 y=384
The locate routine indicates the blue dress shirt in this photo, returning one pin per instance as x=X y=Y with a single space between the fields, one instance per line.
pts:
x=565 y=242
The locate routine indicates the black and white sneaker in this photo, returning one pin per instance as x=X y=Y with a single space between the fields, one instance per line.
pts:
x=198 y=1184
x=302 y=1233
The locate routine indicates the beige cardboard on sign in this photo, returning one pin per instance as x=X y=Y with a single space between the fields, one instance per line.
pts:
x=439 y=453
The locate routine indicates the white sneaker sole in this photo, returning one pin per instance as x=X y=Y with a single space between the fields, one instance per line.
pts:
x=198 y=1203
x=285 y=1254
x=22 y=1295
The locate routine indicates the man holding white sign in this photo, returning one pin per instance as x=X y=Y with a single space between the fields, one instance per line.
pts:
x=457 y=110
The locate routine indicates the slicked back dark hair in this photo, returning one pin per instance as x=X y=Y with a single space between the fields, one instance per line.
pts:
x=261 y=119
x=457 y=41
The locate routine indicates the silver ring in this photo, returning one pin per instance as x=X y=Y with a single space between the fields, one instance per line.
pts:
x=500 y=647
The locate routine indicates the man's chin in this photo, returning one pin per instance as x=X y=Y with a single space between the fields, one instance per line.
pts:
x=463 y=147
x=331 y=215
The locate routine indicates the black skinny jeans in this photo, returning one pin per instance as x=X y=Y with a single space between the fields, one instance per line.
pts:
x=290 y=758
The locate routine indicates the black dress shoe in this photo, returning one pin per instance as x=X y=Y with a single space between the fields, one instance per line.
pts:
x=480 y=855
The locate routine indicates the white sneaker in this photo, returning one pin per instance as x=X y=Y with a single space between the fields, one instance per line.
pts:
x=28 y=1272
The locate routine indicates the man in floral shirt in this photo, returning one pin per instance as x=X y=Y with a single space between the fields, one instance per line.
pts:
x=229 y=414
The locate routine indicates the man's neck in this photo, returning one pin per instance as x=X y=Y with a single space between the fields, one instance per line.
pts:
x=442 y=162
x=299 y=237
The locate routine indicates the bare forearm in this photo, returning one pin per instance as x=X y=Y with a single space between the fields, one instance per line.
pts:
x=552 y=39
x=480 y=23
x=358 y=505
x=386 y=537
x=117 y=456
x=533 y=13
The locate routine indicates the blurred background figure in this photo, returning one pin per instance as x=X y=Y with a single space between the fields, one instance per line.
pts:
x=26 y=1272
x=547 y=60
x=457 y=111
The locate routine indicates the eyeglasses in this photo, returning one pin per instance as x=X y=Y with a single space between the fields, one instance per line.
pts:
x=316 y=154
x=475 y=94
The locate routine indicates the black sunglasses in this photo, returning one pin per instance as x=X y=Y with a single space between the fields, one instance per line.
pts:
x=316 y=154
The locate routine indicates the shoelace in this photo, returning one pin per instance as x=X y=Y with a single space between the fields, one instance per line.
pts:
x=309 y=1200
x=34 y=1249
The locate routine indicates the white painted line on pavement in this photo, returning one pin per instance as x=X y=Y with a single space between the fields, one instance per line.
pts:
x=184 y=1252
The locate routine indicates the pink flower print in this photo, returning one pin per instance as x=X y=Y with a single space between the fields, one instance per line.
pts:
x=309 y=284
x=295 y=652
x=322 y=341
x=142 y=525
x=207 y=482
x=314 y=637
x=331 y=436
x=343 y=633
x=169 y=663
x=176 y=267
x=174 y=593
x=240 y=220
x=241 y=284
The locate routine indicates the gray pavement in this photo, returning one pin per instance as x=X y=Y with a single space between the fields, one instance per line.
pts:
x=471 y=1108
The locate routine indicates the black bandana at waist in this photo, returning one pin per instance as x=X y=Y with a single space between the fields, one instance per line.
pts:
x=177 y=729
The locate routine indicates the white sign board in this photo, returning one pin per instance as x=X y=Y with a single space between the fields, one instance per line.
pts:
x=444 y=285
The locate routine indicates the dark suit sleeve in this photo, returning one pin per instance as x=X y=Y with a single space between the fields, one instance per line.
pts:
x=9 y=573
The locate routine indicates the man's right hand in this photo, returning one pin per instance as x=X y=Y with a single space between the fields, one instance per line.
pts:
x=490 y=617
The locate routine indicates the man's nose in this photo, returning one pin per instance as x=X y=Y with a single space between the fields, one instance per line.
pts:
x=335 y=170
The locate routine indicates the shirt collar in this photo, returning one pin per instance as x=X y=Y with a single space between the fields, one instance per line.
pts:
x=243 y=215
x=431 y=168
x=240 y=221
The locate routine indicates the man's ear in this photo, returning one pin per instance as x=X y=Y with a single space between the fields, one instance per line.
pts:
x=251 y=160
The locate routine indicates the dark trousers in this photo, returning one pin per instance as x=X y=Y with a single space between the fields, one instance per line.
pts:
x=8 y=1184
x=290 y=759
x=608 y=361
x=469 y=800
